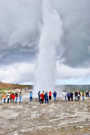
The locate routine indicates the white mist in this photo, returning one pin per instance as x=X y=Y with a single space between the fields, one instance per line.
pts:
x=50 y=37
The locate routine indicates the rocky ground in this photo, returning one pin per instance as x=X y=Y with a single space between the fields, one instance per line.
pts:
x=58 y=118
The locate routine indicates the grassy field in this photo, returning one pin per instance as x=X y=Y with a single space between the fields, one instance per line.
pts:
x=4 y=87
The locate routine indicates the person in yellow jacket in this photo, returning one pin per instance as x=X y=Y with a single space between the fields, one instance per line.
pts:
x=4 y=98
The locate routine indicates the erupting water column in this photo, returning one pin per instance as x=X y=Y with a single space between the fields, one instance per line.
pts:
x=50 y=37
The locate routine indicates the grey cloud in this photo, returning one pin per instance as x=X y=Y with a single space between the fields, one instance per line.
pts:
x=20 y=30
x=76 y=32
x=18 y=20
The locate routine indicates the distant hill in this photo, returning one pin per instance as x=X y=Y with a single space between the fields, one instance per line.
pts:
x=74 y=87
x=13 y=86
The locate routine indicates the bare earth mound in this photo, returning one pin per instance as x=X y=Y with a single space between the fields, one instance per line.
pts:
x=8 y=85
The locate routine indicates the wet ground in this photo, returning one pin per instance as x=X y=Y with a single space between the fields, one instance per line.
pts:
x=58 y=118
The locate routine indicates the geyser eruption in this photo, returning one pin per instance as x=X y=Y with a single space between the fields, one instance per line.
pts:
x=50 y=37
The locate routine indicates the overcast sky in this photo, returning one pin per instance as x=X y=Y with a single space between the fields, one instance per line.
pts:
x=20 y=24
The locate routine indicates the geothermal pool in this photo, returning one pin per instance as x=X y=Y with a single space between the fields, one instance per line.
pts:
x=60 y=118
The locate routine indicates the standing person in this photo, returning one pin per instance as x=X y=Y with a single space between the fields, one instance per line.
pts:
x=30 y=96
x=8 y=98
x=76 y=95
x=16 y=97
x=39 y=96
x=55 y=95
x=20 y=97
x=50 y=95
x=42 y=97
x=68 y=96
x=46 y=98
x=87 y=93
x=65 y=96
x=83 y=96
x=79 y=96
x=71 y=95
x=4 y=98
x=13 y=97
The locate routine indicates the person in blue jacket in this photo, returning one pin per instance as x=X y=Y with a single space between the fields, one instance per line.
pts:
x=30 y=96
x=54 y=95
x=20 y=97
x=46 y=98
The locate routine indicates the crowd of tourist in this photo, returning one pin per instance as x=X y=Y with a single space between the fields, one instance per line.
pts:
x=11 y=97
x=43 y=97
x=17 y=97
x=77 y=96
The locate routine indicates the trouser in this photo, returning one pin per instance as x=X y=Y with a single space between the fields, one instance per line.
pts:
x=68 y=98
x=20 y=99
x=46 y=101
x=71 y=98
x=39 y=98
x=65 y=98
x=8 y=100
x=16 y=100
x=54 y=98
x=83 y=98
x=76 y=98
x=49 y=97
x=13 y=100
x=41 y=101
x=4 y=100
x=30 y=99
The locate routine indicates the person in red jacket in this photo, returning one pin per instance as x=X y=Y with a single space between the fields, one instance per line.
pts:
x=13 y=97
x=50 y=95
x=42 y=97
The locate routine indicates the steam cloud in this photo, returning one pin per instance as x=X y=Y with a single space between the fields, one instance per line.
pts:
x=19 y=36
x=50 y=37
